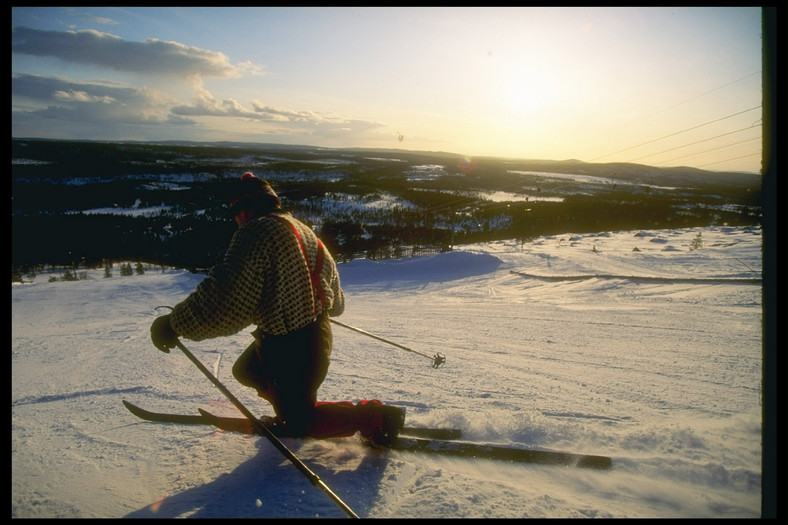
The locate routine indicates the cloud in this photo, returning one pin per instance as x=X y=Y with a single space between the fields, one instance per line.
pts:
x=82 y=96
x=286 y=115
x=56 y=106
x=204 y=104
x=151 y=56
x=101 y=109
x=58 y=98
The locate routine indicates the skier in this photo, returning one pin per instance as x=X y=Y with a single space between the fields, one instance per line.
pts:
x=277 y=275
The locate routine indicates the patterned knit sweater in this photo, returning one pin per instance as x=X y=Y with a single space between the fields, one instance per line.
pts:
x=263 y=280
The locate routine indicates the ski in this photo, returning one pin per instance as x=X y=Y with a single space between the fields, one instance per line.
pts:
x=493 y=451
x=411 y=440
x=241 y=424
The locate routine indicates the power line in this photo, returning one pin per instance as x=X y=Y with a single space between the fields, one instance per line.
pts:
x=677 y=133
x=712 y=149
x=692 y=143
x=682 y=102
x=469 y=200
x=727 y=160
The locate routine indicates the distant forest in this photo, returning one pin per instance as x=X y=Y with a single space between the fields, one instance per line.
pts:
x=86 y=203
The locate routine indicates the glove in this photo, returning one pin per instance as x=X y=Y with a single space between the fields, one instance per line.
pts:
x=162 y=334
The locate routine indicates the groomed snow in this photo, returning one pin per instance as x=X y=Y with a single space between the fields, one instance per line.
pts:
x=663 y=376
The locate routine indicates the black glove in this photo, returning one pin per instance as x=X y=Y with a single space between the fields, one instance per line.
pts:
x=162 y=334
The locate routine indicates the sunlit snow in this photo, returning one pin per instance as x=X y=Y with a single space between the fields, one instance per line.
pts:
x=560 y=343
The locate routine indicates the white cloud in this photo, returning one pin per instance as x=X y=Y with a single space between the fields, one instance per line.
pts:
x=152 y=56
x=81 y=96
x=99 y=109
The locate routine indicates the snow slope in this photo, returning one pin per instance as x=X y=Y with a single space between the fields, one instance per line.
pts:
x=664 y=376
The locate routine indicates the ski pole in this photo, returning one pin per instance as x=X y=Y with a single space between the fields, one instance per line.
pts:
x=264 y=430
x=437 y=360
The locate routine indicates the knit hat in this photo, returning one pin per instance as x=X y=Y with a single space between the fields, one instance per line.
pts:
x=253 y=194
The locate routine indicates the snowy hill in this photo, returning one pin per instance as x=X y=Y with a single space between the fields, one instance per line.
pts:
x=561 y=343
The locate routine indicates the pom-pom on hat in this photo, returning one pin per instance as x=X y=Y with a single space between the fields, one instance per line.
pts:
x=253 y=194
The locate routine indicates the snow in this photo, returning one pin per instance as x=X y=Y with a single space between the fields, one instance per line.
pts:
x=662 y=376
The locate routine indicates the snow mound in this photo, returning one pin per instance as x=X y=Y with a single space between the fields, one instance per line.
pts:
x=432 y=268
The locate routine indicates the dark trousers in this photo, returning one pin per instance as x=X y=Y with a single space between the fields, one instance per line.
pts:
x=287 y=371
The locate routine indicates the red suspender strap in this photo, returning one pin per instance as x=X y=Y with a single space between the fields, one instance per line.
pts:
x=317 y=272
x=317 y=287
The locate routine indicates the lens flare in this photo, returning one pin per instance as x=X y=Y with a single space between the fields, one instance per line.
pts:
x=154 y=507
x=466 y=164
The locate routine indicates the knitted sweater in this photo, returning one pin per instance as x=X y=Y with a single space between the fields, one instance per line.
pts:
x=263 y=280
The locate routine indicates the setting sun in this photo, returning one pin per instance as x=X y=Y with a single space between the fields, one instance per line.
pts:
x=517 y=82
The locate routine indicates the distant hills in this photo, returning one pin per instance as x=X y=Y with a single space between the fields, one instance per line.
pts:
x=82 y=202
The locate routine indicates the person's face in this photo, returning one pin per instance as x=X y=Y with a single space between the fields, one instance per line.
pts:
x=242 y=216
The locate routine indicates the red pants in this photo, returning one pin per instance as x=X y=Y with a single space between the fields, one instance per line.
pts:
x=288 y=370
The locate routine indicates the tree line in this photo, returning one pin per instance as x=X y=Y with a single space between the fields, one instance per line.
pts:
x=83 y=203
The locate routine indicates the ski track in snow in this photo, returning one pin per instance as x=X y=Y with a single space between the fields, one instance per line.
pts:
x=663 y=377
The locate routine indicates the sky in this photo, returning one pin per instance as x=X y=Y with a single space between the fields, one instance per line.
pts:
x=662 y=375
x=663 y=86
